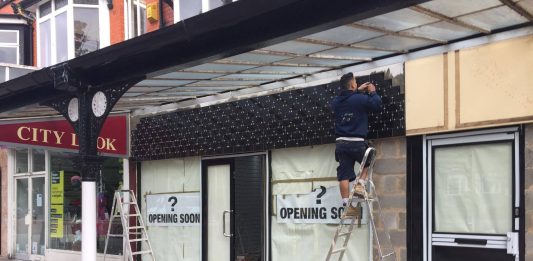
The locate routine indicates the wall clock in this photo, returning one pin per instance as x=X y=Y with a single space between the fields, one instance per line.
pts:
x=99 y=104
x=73 y=114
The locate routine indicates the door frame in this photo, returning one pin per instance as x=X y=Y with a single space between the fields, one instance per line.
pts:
x=15 y=226
x=513 y=134
x=205 y=209
x=12 y=197
x=30 y=179
x=230 y=159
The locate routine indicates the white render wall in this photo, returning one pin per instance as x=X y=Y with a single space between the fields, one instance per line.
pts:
x=173 y=175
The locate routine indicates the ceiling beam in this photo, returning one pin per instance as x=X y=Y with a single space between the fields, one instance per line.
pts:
x=448 y=19
x=514 y=5
x=393 y=33
x=277 y=63
x=351 y=46
x=336 y=57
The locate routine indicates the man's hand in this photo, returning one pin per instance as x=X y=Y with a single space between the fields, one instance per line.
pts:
x=367 y=86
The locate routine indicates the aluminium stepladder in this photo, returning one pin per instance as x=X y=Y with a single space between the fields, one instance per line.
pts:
x=122 y=201
x=347 y=223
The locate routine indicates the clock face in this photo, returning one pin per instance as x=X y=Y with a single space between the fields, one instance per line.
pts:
x=73 y=109
x=99 y=104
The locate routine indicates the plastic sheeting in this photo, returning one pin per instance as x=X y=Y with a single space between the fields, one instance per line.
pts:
x=473 y=188
x=175 y=175
x=308 y=241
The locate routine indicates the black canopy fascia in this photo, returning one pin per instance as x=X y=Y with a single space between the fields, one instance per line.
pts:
x=236 y=28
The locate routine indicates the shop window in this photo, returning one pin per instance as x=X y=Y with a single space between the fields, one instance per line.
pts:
x=472 y=193
x=65 y=203
x=9 y=46
x=38 y=160
x=21 y=161
x=135 y=13
x=469 y=181
x=67 y=29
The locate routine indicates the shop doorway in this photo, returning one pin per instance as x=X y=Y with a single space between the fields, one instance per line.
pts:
x=30 y=216
x=234 y=206
x=473 y=197
x=30 y=200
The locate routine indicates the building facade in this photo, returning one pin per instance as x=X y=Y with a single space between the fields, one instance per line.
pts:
x=454 y=138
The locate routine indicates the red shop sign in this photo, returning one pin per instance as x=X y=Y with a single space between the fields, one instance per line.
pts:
x=58 y=133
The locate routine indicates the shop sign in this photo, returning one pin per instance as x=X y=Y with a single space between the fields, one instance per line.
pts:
x=173 y=209
x=58 y=133
x=320 y=206
x=56 y=204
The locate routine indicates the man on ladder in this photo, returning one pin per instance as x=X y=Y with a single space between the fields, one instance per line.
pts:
x=351 y=108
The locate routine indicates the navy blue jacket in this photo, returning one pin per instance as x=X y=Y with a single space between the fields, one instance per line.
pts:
x=351 y=113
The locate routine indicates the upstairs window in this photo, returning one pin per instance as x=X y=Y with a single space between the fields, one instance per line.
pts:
x=184 y=9
x=135 y=16
x=9 y=46
x=67 y=29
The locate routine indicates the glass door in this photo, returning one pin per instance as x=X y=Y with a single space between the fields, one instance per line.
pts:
x=22 y=219
x=30 y=201
x=473 y=205
x=37 y=225
x=233 y=207
x=219 y=218
x=30 y=218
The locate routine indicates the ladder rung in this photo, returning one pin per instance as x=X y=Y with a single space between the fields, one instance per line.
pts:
x=116 y=235
x=342 y=249
x=129 y=202
x=138 y=239
x=387 y=255
x=345 y=234
x=141 y=252
x=133 y=215
x=137 y=227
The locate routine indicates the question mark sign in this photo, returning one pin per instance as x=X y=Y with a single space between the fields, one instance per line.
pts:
x=175 y=200
x=318 y=200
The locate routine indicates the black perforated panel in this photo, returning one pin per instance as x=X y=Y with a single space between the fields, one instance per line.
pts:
x=290 y=119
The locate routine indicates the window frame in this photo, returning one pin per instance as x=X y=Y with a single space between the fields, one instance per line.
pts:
x=129 y=23
x=205 y=8
x=103 y=26
x=430 y=142
x=12 y=45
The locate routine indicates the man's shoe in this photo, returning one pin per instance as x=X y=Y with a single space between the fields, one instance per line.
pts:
x=359 y=190
x=352 y=211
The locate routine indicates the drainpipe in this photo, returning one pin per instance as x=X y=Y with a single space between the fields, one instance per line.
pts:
x=161 y=18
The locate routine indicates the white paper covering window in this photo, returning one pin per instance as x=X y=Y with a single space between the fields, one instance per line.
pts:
x=308 y=241
x=473 y=188
x=173 y=175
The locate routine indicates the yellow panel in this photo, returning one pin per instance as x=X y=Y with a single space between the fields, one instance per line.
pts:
x=425 y=94
x=496 y=83
x=152 y=12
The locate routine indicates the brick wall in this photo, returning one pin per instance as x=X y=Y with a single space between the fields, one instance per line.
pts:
x=168 y=14
x=528 y=154
x=3 y=202
x=168 y=17
x=6 y=9
x=389 y=178
x=116 y=20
